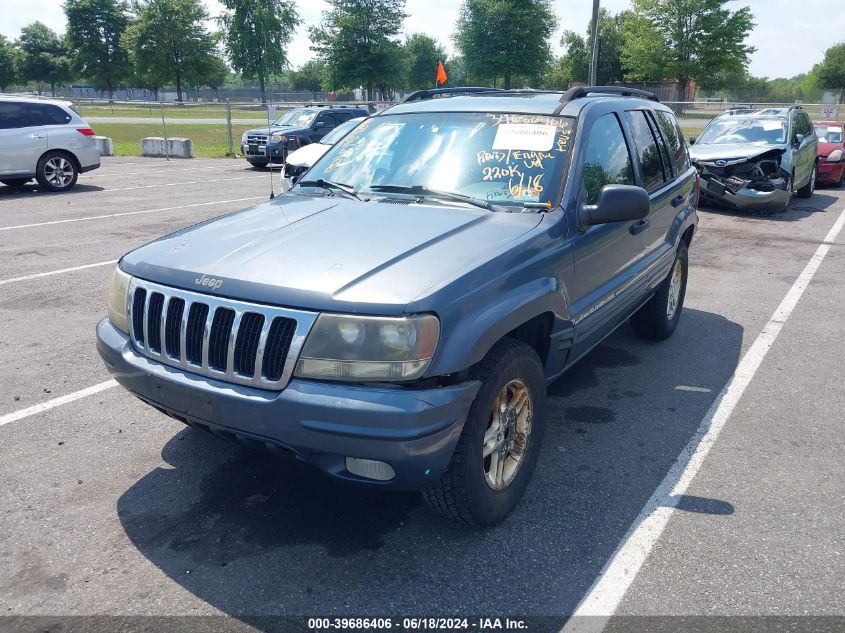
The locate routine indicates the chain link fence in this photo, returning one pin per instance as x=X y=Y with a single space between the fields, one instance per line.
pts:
x=215 y=128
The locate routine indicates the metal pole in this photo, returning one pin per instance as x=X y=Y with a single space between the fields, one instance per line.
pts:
x=594 y=51
x=230 y=151
x=164 y=129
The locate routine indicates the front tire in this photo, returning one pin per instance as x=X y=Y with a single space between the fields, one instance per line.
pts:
x=500 y=442
x=56 y=171
x=658 y=318
x=809 y=189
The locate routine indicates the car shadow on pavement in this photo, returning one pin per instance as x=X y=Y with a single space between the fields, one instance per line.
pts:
x=16 y=193
x=253 y=535
x=799 y=209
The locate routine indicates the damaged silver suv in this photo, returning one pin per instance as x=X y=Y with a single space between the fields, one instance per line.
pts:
x=755 y=160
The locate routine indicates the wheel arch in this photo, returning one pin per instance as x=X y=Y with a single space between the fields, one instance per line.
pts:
x=66 y=152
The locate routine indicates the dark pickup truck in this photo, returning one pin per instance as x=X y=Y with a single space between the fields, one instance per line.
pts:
x=394 y=319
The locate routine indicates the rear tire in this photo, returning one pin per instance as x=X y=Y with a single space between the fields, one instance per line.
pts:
x=657 y=319
x=809 y=189
x=475 y=490
x=56 y=171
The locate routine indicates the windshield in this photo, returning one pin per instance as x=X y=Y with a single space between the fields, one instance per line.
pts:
x=340 y=131
x=829 y=133
x=497 y=158
x=767 y=131
x=296 y=118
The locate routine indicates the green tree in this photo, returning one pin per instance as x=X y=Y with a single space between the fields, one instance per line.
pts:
x=357 y=41
x=503 y=38
x=311 y=77
x=94 y=32
x=456 y=70
x=575 y=63
x=831 y=72
x=256 y=33
x=44 y=58
x=169 y=42
x=421 y=56
x=8 y=63
x=685 y=40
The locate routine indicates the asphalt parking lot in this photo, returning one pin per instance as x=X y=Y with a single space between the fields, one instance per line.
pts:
x=109 y=507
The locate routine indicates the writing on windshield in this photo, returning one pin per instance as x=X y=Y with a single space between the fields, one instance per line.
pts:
x=503 y=158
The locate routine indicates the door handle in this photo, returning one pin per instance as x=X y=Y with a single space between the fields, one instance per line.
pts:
x=638 y=227
x=676 y=202
x=36 y=136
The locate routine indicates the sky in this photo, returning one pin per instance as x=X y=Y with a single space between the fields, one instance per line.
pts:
x=790 y=35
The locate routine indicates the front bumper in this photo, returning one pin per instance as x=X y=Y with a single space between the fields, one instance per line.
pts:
x=413 y=430
x=830 y=173
x=747 y=199
x=276 y=152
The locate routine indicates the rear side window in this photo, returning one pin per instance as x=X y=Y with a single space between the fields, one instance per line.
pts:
x=674 y=139
x=607 y=160
x=13 y=115
x=648 y=150
x=47 y=114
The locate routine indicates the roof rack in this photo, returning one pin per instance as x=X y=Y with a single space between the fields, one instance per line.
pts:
x=421 y=95
x=619 y=91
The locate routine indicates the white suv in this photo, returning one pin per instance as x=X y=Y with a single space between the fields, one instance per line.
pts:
x=46 y=140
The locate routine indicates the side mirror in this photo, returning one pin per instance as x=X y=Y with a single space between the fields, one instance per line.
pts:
x=617 y=203
x=319 y=124
x=692 y=140
x=799 y=138
x=287 y=183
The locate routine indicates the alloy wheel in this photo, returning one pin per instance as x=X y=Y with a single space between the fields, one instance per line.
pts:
x=506 y=437
x=59 y=172
x=675 y=283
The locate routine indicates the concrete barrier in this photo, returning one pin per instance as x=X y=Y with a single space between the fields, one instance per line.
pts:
x=172 y=147
x=105 y=145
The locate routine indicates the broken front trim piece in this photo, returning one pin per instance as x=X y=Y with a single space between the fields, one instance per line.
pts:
x=756 y=183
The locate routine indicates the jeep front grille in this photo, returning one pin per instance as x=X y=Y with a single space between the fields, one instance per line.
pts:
x=235 y=341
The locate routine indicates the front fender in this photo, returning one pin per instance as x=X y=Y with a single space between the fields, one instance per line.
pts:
x=479 y=330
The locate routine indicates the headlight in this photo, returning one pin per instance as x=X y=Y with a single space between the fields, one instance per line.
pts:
x=119 y=300
x=243 y=138
x=835 y=156
x=345 y=347
x=278 y=138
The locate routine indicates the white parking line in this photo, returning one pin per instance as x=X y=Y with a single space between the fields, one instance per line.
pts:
x=3 y=282
x=118 y=174
x=619 y=572
x=118 y=215
x=56 y=402
x=189 y=182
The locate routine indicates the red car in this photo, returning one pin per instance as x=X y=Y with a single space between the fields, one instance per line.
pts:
x=831 y=152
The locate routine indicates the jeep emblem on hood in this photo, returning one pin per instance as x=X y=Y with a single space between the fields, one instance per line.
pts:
x=209 y=282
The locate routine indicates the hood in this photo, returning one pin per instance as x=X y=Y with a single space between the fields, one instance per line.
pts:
x=307 y=155
x=330 y=253
x=826 y=148
x=276 y=129
x=733 y=151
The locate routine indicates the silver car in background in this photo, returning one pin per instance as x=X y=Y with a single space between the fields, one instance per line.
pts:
x=46 y=140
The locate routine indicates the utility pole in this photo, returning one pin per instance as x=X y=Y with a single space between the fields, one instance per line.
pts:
x=594 y=51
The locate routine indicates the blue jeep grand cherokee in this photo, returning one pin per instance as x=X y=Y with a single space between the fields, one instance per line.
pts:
x=395 y=318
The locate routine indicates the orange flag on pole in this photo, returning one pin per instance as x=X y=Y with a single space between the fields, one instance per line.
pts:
x=442 y=78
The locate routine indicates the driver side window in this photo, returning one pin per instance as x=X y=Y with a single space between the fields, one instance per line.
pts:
x=607 y=160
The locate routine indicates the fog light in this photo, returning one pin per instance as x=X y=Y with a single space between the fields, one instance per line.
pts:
x=370 y=469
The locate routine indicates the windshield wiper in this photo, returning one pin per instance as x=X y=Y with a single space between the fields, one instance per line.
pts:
x=330 y=185
x=419 y=190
